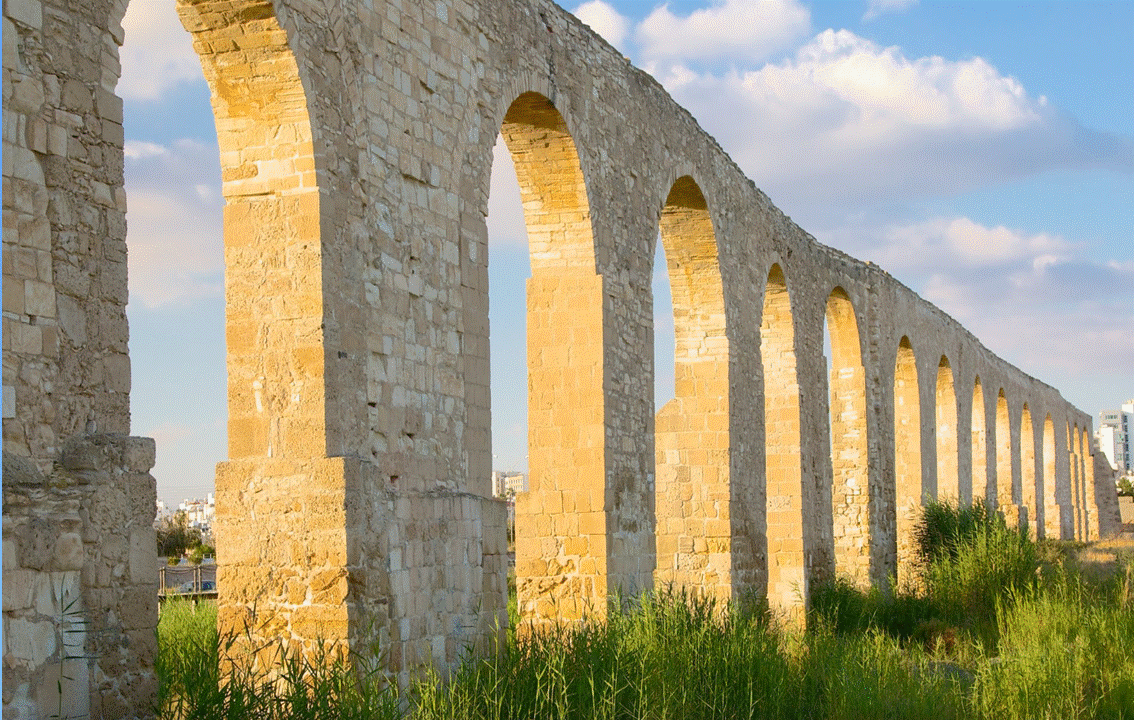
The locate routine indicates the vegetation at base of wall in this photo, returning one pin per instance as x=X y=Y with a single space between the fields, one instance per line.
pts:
x=1039 y=633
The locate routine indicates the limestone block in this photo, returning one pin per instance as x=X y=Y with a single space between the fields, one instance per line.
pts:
x=64 y=687
x=39 y=299
x=143 y=561
x=140 y=454
x=27 y=97
x=19 y=587
x=69 y=553
x=30 y=642
x=25 y=12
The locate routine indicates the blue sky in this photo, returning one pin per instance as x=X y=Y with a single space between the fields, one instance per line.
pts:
x=981 y=152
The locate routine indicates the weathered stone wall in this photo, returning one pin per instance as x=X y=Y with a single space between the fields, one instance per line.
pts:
x=356 y=148
x=80 y=581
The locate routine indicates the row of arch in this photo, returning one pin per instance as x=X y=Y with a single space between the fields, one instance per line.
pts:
x=707 y=535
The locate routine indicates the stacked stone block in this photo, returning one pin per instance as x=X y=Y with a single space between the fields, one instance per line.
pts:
x=80 y=581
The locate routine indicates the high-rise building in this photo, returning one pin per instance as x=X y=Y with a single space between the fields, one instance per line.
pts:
x=1113 y=437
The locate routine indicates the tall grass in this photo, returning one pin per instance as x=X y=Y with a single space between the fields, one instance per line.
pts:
x=1066 y=651
x=192 y=686
x=998 y=627
x=672 y=656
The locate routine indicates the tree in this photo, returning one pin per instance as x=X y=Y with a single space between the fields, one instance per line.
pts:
x=175 y=536
x=1125 y=487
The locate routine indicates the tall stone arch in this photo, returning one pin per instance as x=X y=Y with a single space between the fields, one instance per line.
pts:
x=695 y=529
x=948 y=472
x=980 y=484
x=908 y=482
x=1028 y=475
x=852 y=506
x=562 y=551
x=788 y=572
x=1007 y=494
x=1052 y=510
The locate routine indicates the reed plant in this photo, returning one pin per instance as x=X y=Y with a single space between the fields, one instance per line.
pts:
x=314 y=685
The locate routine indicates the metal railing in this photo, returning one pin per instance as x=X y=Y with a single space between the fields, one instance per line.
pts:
x=193 y=582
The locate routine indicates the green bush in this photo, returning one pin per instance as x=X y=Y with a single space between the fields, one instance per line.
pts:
x=945 y=527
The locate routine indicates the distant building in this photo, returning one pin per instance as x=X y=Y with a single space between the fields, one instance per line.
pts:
x=506 y=483
x=1113 y=437
x=200 y=513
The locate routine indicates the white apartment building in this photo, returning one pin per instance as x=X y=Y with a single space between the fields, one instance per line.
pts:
x=1113 y=437
x=200 y=513
x=508 y=483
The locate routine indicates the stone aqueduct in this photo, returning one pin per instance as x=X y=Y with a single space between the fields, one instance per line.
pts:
x=356 y=144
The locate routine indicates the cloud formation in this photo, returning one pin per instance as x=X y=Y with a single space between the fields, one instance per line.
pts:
x=174 y=222
x=157 y=53
x=846 y=122
x=604 y=20
x=746 y=31
x=1032 y=298
x=881 y=7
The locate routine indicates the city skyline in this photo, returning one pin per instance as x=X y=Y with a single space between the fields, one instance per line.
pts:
x=982 y=154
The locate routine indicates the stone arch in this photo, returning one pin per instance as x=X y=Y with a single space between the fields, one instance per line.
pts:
x=1006 y=494
x=1052 y=511
x=562 y=551
x=1090 y=504
x=1028 y=495
x=1073 y=475
x=980 y=484
x=281 y=427
x=694 y=526
x=948 y=477
x=851 y=486
x=788 y=575
x=552 y=187
x=908 y=487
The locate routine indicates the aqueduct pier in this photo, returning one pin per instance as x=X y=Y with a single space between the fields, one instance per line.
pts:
x=356 y=144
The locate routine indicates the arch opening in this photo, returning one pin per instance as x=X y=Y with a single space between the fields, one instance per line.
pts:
x=851 y=487
x=563 y=553
x=788 y=574
x=1090 y=506
x=908 y=484
x=1007 y=491
x=1074 y=477
x=1052 y=511
x=693 y=501
x=980 y=484
x=1028 y=473
x=948 y=477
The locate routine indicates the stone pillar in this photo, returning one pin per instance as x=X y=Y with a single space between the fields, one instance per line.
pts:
x=562 y=522
x=80 y=581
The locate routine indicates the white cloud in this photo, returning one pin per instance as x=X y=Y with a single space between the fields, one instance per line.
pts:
x=846 y=122
x=961 y=243
x=1029 y=297
x=881 y=7
x=158 y=52
x=739 y=30
x=604 y=20
x=174 y=231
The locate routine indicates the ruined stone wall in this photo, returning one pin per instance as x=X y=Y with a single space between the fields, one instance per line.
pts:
x=356 y=148
x=80 y=581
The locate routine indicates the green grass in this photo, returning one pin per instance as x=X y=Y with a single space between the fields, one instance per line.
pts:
x=998 y=627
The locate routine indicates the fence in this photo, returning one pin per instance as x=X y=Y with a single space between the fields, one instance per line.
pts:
x=187 y=581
